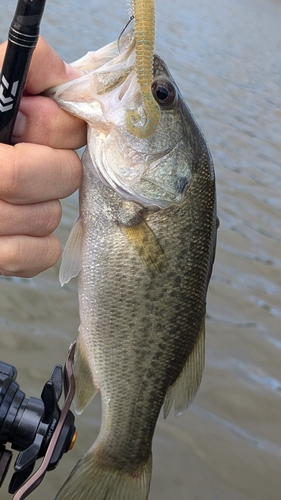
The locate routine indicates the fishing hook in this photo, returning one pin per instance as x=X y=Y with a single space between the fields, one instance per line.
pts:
x=125 y=27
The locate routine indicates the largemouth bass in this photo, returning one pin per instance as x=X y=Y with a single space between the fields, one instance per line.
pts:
x=144 y=247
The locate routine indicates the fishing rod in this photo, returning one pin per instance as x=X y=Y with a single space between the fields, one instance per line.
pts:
x=22 y=40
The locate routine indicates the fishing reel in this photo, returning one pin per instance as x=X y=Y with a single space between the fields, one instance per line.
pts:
x=37 y=428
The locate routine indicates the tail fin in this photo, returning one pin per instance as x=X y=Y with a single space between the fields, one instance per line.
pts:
x=92 y=480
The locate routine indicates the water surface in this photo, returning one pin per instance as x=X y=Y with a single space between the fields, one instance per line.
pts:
x=225 y=57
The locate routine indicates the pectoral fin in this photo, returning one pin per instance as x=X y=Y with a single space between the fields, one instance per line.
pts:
x=183 y=390
x=146 y=245
x=70 y=265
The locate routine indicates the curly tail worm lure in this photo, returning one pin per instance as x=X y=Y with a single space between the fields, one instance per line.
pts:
x=144 y=14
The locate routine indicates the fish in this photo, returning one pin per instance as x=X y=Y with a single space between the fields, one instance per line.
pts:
x=143 y=248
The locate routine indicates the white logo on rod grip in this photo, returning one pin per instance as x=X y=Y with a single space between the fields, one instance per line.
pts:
x=6 y=103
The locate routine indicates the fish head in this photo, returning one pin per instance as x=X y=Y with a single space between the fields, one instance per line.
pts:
x=155 y=170
x=151 y=171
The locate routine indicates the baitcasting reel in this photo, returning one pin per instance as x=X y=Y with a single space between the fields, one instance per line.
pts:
x=37 y=428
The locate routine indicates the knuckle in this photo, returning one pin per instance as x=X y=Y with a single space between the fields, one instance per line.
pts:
x=74 y=170
x=12 y=177
x=25 y=256
x=11 y=256
x=51 y=217
x=54 y=251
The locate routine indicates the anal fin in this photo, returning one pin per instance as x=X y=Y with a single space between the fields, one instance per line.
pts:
x=183 y=390
x=85 y=388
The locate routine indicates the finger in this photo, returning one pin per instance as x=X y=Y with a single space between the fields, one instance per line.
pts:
x=44 y=122
x=32 y=174
x=3 y=48
x=46 y=70
x=39 y=219
x=27 y=256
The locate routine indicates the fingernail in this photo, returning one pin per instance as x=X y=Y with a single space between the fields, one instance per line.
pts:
x=71 y=72
x=20 y=125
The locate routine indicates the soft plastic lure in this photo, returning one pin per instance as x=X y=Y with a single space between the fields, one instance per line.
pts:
x=144 y=14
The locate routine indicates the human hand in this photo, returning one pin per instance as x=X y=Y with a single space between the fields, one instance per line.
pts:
x=39 y=169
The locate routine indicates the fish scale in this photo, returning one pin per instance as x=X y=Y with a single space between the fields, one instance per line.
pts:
x=144 y=266
x=160 y=317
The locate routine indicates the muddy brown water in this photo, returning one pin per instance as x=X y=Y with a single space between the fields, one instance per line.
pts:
x=225 y=57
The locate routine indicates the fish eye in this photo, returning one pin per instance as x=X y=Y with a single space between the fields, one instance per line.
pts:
x=164 y=93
